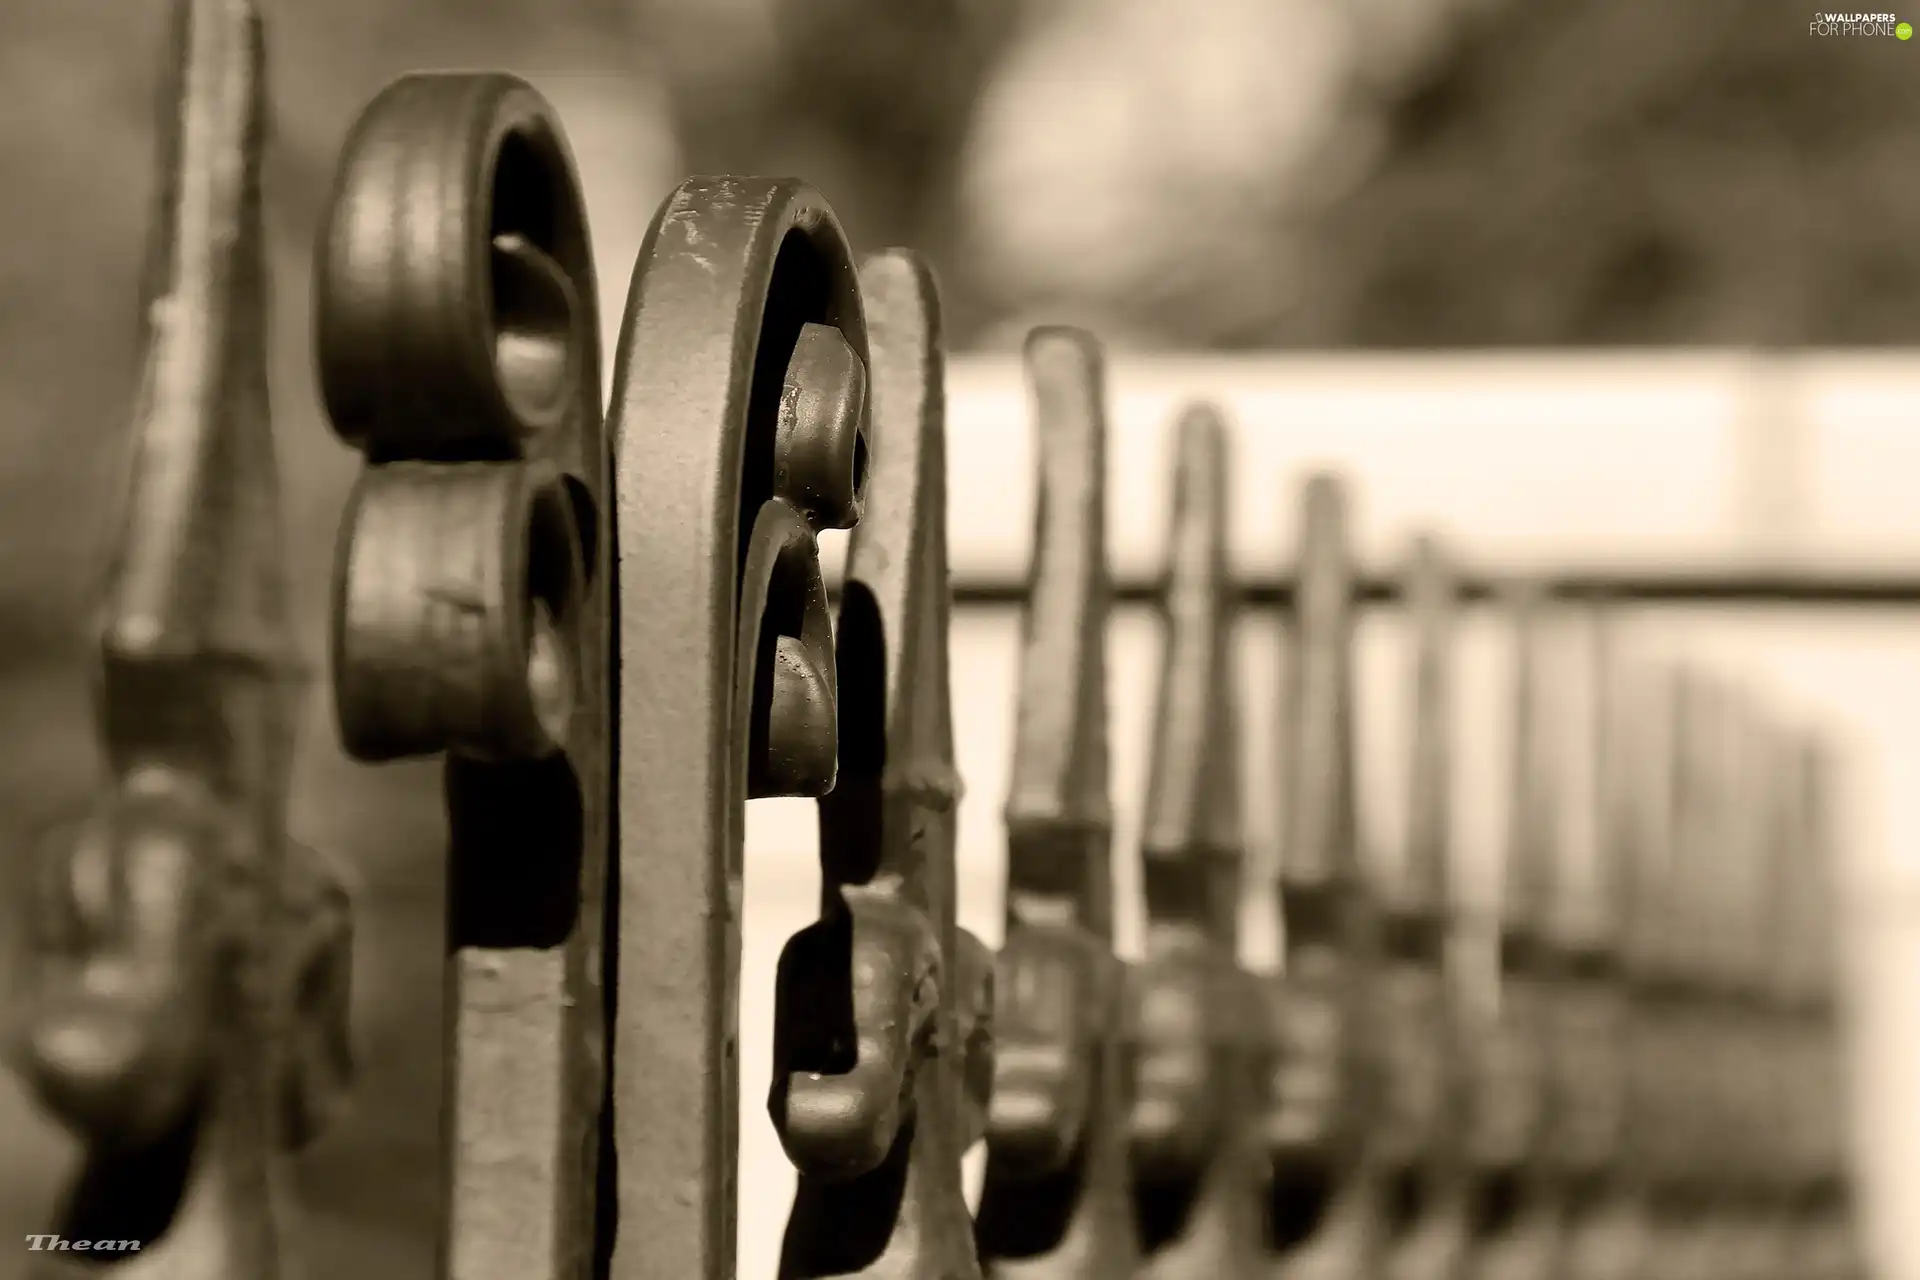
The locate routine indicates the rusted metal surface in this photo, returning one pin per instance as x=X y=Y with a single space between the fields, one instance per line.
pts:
x=1326 y=1207
x=1201 y=1047
x=731 y=447
x=1056 y=1201
x=185 y=971
x=1830 y=584
x=456 y=348
x=1426 y=1017
x=881 y=1041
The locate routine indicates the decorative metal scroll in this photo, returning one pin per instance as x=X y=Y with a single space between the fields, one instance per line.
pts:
x=456 y=347
x=1326 y=1210
x=185 y=969
x=1056 y=1201
x=739 y=421
x=1199 y=1041
x=1427 y=1025
x=881 y=1049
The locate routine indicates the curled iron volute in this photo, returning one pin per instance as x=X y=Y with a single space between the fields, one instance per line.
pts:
x=116 y=1030
x=461 y=601
x=845 y=1091
x=744 y=419
x=883 y=1021
x=457 y=348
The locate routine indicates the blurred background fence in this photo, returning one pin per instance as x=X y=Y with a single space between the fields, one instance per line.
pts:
x=1244 y=174
x=1706 y=188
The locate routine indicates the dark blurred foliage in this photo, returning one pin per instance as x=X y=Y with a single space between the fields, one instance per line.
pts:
x=1567 y=172
x=869 y=100
x=1637 y=171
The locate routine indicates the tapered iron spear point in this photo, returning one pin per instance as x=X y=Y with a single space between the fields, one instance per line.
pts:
x=1319 y=847
x=1324 y=503
x=233 y=1045
x=1201 y=448
x=1806 y=958
x=1706 y=740
x=1326 y=578
x=1191 y=835
x=1067 y=370
x=1058 y=812
x=1648 y=756
x=1430 y=575
x=1198 y=593
x=1054 y=1104
x=1532 y=845
x=1066 y=373
x=1432 y=595
x=1433 y=599
x=197 y=563
x=1197 y=564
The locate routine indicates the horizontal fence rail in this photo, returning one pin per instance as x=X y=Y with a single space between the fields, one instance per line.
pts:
x=1809 y=585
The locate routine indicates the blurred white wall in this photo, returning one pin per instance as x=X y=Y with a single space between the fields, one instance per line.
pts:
x=1519 y=461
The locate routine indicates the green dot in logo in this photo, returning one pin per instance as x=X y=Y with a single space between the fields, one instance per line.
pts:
x=1904 y=31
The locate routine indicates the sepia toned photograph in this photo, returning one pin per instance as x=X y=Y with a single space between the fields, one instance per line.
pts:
x=959 y=640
